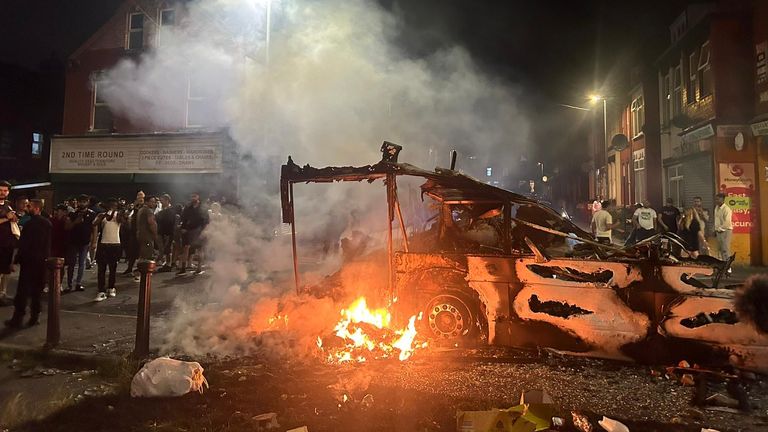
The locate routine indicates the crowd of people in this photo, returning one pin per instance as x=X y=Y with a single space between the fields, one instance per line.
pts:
x=691 y=224
x=86 y=232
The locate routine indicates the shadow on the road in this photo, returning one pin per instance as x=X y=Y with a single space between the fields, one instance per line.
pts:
x=7 y=332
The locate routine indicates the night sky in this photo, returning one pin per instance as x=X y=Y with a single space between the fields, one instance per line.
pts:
x=556 y=51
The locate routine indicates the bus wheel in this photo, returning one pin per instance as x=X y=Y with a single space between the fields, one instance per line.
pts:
x=453 y=315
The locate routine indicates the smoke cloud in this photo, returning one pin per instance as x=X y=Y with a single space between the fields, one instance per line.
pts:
x=330 y=86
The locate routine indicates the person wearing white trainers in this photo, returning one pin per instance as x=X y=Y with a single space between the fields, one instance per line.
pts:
x=108 y=248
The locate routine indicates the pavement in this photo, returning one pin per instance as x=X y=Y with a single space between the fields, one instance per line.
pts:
x=107 y=328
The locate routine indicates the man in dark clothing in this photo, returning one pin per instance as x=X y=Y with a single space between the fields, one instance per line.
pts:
x=60 y=235
x=146 y=229
x=80 y=227
x=7 y=240
x=194 y=218
x=669 y=216
x=166 y=223
x=132 y=251
x=34 y=248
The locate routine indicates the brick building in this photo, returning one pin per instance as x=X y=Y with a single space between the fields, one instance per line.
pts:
x=102 y=152
x=759 y=124
x=705 y=82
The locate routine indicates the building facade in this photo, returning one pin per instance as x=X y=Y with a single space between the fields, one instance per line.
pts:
x=102 y=152
x=759 y=123
x=705 y=87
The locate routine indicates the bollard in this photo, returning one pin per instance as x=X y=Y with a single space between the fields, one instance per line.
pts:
x=53 y=331
x=146 y=268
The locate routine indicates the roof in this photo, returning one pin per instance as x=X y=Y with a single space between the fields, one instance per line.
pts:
x=444 y=185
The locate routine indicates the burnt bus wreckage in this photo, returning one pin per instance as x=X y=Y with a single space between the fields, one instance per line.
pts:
x=496 y=266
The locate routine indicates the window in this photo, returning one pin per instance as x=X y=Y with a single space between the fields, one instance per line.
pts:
x=135 y=31
x=638 y=164
x=677 y=93
x=197 y=101
x=37 y=144
x=638 y=116
x=704 y=73
x=638 y=160
x=102 y=116
x=167 y=17
x=693 y=66
x=666 y=98
x=675 y=185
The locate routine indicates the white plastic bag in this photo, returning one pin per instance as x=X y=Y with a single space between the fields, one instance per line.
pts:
x=164 y=377
x=612 y=425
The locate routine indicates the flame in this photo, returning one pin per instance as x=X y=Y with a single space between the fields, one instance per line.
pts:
x=367 y=334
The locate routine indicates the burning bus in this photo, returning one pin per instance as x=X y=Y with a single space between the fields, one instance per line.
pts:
x=501 y=268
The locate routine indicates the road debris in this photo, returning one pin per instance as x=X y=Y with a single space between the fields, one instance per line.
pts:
x=611 y=425
x=265 y=422
x=165 y=377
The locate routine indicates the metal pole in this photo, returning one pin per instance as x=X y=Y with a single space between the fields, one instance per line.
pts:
x=402 y=223
x=605 y=125
x=141 y=349
x=293 y=238
x=390 y=249
x=53 y=331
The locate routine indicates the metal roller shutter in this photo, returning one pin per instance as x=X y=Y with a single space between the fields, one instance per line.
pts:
x=698 y=180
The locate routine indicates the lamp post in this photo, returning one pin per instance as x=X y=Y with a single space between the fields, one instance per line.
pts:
x=595 y=98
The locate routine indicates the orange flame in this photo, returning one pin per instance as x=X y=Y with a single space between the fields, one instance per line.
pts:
x=366 y=334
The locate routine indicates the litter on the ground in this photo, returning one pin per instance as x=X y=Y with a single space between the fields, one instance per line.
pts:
x=164 y=377
x=265 y=422
x=611 y=425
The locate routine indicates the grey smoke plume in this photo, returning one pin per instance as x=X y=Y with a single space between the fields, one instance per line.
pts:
x=330 y=89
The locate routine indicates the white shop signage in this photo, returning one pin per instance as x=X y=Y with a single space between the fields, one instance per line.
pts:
x=135 y=155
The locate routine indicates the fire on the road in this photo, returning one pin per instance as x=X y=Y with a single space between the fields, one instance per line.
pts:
x=364 y=334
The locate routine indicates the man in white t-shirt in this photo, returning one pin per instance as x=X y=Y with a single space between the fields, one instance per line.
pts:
x=644 y=221
x=602 y=223
x=108 y=250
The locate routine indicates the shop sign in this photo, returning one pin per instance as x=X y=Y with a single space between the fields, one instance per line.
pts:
x=737 y=181
x=761 y=67
x=188 y=154
x=701 y=133
x=760 y=128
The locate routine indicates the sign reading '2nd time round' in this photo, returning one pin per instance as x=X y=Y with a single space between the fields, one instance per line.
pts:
x=167 y=154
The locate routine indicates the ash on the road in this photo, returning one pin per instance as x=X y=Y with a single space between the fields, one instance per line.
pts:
x=418 y=395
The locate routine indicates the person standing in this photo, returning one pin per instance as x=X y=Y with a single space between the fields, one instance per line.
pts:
x=8 y=241
x=108 y=248
x=193 y=219
x=690 y=228
x=669 y=217
x=644 y=221
x=723 y=227
x=132 y=250
x=34 y=249
x=60 y=235
x=22 y=210
x=166 y=223
x=602 y=223
x=703 y=215
x=146 y=229
x=80 y=226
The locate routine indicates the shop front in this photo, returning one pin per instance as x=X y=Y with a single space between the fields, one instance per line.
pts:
x=119 y=165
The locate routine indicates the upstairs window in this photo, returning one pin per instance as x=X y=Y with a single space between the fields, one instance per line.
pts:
x=101 y=119
x=135 y=31
x=677 y=91
x=693 y=66
x=167 y=22
x=167 y=17
x=37 y=144
x=666 y=98
x=704 y=72
x=638 y=116
x=197 y=101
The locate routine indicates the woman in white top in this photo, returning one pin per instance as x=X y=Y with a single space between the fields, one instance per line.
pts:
x=108 y=250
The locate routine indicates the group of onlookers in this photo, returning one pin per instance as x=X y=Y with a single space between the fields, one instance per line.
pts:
x=85 y=231
x=690 y=224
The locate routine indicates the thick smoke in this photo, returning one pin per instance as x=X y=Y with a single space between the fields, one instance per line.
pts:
x=328 y=89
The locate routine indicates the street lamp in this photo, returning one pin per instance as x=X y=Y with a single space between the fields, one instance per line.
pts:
x=596 y=98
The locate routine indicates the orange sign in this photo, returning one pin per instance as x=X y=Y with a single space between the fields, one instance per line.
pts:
x=737 y=181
